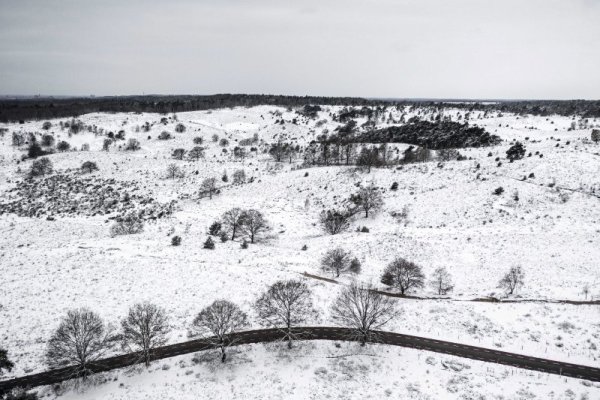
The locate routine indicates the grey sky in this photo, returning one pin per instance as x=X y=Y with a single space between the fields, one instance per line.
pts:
x=371 y=48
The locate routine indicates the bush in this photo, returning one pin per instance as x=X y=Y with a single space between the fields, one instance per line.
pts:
x=47 y=140
x=498 y=191
x=515 y=152
x=335 y=221
x=239 y=176
x=89 y=167
x=244 y=244
x=209 y=243
x=35 y=150
x=47 y=125
x=215 y=229
x=394 y=186
x=225 y=178
x=128 y=225
x=40 y=167
x=180 y=128
x=21 y=394
x=164 y=135
x=132 y=145
x=178 y=154
x=304 y=248
x=198 y=140
x=224 y=237
x=175 y=240
x=224 y=142
x=63 y=146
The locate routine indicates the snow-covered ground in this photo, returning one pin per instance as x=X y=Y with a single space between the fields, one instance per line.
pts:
x=454 y=221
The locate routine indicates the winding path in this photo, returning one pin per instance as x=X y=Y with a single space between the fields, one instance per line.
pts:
x=318 y=333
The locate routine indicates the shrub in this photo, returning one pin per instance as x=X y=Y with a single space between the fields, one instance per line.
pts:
x=209 y=243
x=180 y=128
x=225 y=178
x=394 y=186
x=47 y=140
x=127 y=225
x=106 y=144
x=224 y=237
x=335 y=221
x=47 y=125
x=215 y=138
x=304 y=248
x=178 y=154
x=244 y=244
x=40 y=167
x=63 y=146
x=224 y=142
x=239 y=176
x=215 y=229
x=516 y=152
x=132 y=145
x=498 y=191
x=164 y=135
x=35 y=150
x=198 y=140
x=175 y=240
x=89 y=167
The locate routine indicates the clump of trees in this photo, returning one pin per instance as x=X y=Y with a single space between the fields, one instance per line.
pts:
x=196 y=153
x=513 y=280
x=403 y=275
x=218 y=322
x=251 y=223
x=338 y=261
x=128 y=225
x=363 y=309
x=285 y=304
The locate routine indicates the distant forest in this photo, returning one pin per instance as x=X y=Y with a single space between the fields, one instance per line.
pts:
x=12 y=110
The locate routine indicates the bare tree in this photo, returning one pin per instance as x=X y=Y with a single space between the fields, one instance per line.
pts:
x=80 y=340
x=404 y=275
x=364 y=310
x=145 y=328
x=368 y=199
x=254 y=224
x=209 y=185
x=196 y=153
x=512 y=280
x=5 y=363
x=233 y=221
x=285 y=303
x=220 y=320
x=441 y=281
x=173 y=171
x=338 y=260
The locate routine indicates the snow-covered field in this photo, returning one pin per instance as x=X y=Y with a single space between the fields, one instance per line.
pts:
x=454 y=221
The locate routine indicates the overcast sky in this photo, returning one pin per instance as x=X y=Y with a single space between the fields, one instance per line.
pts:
x=371 y=48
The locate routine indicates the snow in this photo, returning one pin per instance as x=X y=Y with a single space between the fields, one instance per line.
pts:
x=454 y=221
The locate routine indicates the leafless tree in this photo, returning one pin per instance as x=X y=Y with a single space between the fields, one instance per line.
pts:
x=209 y=185
x=254 y=224
x=18 y=139
x=106 y=144
x=233 y=221
x=196 y=153
x=173 y=171
x=441 y=281
x=368 y=199
x=220 y=320
x=145 y=328
x=364 y=310
x=285 y=303
x=403 y=275
x=512 y=280
x=239 y=176
x=338 y=260
x=132 y=145
x=80 y=340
